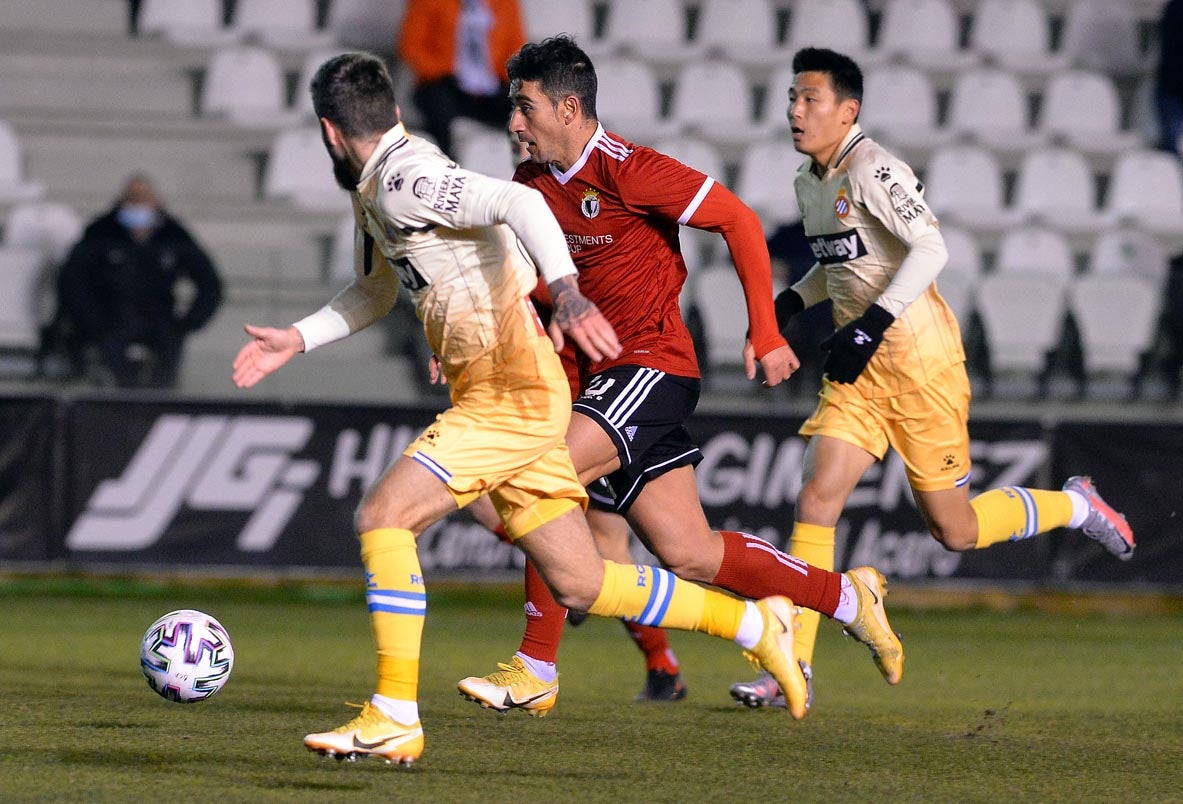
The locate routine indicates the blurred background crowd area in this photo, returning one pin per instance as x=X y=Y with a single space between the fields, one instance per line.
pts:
x=1045 y=132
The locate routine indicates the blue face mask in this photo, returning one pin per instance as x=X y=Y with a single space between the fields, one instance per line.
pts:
x=136 y=216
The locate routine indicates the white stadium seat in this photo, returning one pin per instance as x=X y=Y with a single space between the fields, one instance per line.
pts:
x=1056 y=186
x=714 y=100
x=964 y=186
x=1129 y=252
x=720 y=300
x=838 y=24
x=1034 y=249
x=487 y=151
x=246 y=84
x=765 y=182
x=1081 y=108
x=367 y=24
x=51 y=228
x=299 y=171
x=13 y=184
x=1146 y=188
x=628 y=102
x=989 y=106
x=1022 y=316
x=1117 y=318
x=957 y=289
x=21 y=282
x=192 y=23
x=287 y=24
x=1103 y=35
x=742 y=31
x=900 y=108
x=546 y=18
x=965 y=255
x=925 y=33
x=1015 y=34
x=653 y=30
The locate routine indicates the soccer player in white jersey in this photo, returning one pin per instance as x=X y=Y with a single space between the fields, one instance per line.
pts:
x=895 y=373
x=456 y=241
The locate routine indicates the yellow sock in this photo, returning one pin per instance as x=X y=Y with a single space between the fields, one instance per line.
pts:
x=397 y=600
x=653 y=596
x=813 y=544
x=1013 y=512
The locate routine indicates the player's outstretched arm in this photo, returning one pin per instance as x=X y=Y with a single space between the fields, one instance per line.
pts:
x=268 y=349
x=576 y=316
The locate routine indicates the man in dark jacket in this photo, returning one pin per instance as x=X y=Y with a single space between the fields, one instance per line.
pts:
x=118 y=288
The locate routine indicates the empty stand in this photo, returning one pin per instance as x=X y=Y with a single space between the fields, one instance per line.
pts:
x=1056 y=186
x=1016 y=35
x=900 y=108
x=289 y=24
x=765 y=183
x=926 y=33
x=742 y=31
x=1117 y=318
x=247 y=85
x=1022 y=316
x=838 y=24
x=714 y=100
x=48 y=227
x=629 y=100
x=191 y=23
x=13 y=184
x=1034 y=249
x=1129 y=252
x=22 y=281
x=964 y=185
x=1147 y=190
x=989 y=106
x=654 y=30
x=300 y=171
x=1081 y=108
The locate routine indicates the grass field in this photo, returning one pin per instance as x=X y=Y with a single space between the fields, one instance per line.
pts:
x=994 y=706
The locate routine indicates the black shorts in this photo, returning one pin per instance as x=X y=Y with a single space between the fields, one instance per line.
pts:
x=644 y=412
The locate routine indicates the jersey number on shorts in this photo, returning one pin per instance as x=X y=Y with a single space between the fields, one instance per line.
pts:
x=407 y=273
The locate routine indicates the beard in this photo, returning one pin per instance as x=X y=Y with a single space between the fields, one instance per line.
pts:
x=343 y=173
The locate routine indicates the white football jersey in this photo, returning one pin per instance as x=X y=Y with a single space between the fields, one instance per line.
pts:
x=860 y=218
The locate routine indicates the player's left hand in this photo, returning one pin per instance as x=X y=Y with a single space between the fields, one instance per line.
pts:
x=852 y=346
x=576 y=316
x=778 y=365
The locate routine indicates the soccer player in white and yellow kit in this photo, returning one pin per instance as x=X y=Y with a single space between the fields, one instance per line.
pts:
x=895 y=373
x=457 y=242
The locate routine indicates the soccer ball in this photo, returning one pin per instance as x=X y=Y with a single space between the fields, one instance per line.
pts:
x=186 y=656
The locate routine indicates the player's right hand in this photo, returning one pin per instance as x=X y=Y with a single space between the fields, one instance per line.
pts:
x=269 y=349
x=778 y=365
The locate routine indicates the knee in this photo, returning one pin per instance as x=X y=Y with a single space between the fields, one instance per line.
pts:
x=368 y=516
x=690 y=565
x=818 y=505
x=955 y=535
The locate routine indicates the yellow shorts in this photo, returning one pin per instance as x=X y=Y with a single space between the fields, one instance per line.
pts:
x=505 y=435
x=928 y=427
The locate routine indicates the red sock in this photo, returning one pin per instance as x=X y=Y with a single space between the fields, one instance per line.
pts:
x=544 y=619
x=754 y=569
x=653 y=643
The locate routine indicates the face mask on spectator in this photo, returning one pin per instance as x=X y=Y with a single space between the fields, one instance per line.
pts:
x=136 y=216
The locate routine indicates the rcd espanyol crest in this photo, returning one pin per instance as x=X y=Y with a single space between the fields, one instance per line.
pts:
x=590 y=205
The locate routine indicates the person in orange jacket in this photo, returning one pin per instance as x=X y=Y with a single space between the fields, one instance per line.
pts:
x=458 y=50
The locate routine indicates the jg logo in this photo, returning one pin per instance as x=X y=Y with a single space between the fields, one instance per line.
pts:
x=209 y=463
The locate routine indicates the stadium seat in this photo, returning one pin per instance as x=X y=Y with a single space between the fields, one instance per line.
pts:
x=341 y=251
x=838 y=24
x=742 y=31
x=989 y=106
x=1103 y=35
x=957 y=289
x=367 y=24
x=695 y=152
x=773 y=120
x=765 y=182
x=925 y=33
x=719 y=298
x=190 y=23
x=1022 y=317
x=1056 y=186
x=285 y=24
x=654 y=30
x=302 y=97
x=964 y=187
x=299 y=171
x=714 y=100
x=900 y=108
x=545 y=18
x=1146 y=189
x=1129 y=252
x=21 y=284
x=246 y=85
x=1016 y=35
x=965 y=255
x=51 y=228
x=628 y=102
x=14 y=186
x=1117 y=319
x=486 y=151
x=1034 y=249
x=1082 y=109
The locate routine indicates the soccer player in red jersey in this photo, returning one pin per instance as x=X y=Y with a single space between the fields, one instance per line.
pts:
x=620 y=206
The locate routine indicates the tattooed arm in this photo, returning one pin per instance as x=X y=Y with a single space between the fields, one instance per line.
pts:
x=582 y=320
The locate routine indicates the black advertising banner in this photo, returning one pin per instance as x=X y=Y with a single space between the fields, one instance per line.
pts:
x=27 y=431
x=217 y=484
x=1136 y=467
x=751 y=474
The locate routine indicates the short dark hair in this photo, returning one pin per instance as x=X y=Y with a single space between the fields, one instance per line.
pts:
x=354 y=92
x=560 y=67
x=845 y=75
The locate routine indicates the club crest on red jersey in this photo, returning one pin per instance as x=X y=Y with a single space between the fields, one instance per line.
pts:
x=590 y=205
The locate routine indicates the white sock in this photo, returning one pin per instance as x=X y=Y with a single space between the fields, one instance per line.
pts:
x=545 y=671
x=404 y=712
x=751 y=627
x=847 y=602
x=1080 y=508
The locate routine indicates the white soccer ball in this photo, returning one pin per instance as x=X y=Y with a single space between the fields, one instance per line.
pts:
x=186 y=656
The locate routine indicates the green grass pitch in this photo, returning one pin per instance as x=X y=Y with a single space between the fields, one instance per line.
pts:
x=994 y=706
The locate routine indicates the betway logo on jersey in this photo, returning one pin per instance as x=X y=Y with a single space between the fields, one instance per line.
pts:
x=835 y=248
x=209 y=463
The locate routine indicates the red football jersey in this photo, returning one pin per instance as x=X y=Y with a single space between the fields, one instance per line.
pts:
x=620 y=206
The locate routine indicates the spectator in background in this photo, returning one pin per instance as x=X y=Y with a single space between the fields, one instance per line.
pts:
x=1168 y=88
x=458 y=50
x=118 y=289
